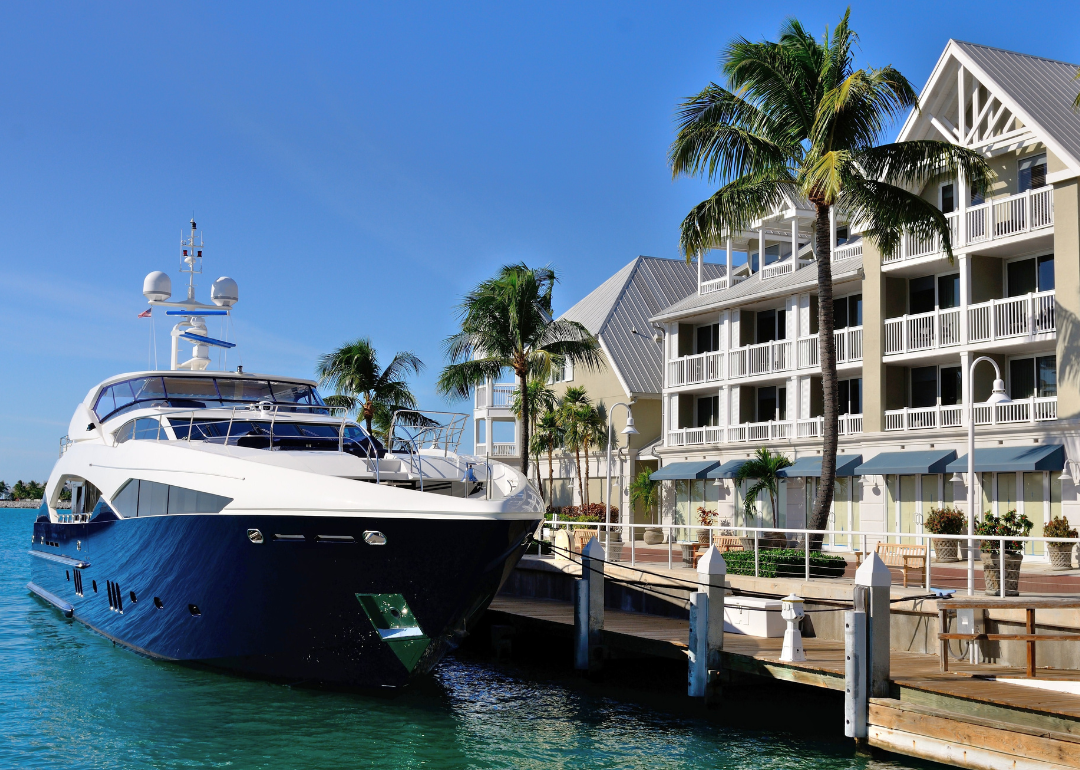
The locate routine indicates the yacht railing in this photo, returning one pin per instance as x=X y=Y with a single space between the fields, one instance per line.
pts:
x=413 y=430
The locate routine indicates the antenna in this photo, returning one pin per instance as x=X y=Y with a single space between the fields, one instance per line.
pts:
x=191 y=250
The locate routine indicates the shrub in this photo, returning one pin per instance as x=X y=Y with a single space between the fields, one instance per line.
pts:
x=1059 y=527
x=1003 y=526
x=945 y=521
x=785 y=562
x=593 y=512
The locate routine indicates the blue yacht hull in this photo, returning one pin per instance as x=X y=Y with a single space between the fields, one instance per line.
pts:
x=196 y=589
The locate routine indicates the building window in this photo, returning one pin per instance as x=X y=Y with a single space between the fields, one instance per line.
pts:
x=849 y=396
x=952 y=392
x=1032 y=173
x=948 y=198
x=1033 y=377
x=1030 y=275
x=481 y=431
x=948 y=291
x=564 y=373
x=771 y=325
x=708 y=338
x=771 y=404
x=921 y=295
x=841 y=236
x=708 y=411
x=924 y=386
x=847 y=311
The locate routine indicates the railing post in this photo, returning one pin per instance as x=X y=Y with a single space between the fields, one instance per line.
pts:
x=873 y=584
x=707 y=627
x=757 y=553
x=856 y=702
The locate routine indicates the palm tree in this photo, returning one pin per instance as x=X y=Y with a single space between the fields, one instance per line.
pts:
x=360 y=386
x=506 y=323
x=541 y=399
x=596 y=438
x=763 y=468
x=644 y=490
x=573 y=417
x=546 y=436
x=797 y=117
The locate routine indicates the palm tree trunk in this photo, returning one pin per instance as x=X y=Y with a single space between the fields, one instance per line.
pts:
x=577 y=472
x=827 y=355
x=585 y=499
x=524 y=437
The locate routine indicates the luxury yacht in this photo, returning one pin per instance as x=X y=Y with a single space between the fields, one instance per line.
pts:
x=236 y=521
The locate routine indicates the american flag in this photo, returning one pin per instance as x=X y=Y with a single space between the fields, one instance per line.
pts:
x=145 y=313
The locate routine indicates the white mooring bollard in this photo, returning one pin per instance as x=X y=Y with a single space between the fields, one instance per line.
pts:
x=856 y=703
x=707 y=627
x=792 y=611
x=873 y=587
x=589 y=608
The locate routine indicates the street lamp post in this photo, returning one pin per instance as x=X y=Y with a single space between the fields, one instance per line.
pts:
x=998 y=396
x=629 y=430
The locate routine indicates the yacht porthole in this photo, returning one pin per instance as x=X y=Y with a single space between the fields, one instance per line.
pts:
x=372 y=537
x=255 y=536
x=158 y=603
x=94 y=582
x=132 y=595
x=194 y=610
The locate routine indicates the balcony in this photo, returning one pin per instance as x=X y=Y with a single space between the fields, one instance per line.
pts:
x=998 y=319
x=1028 y=410
x=503 y=450
x=998 y=219
x=498 y=396
x=847 y=251
x=785 y=267
x=759 y=432
x=762 y=359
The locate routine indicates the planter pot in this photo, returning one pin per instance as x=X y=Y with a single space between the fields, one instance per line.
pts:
x=992 y=567
x=1060 y=555
x=703 y=536
x=653 y=536
x=946 y=550
x=962 y=549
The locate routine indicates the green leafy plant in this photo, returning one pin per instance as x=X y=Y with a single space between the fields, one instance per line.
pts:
x=785 y=562
x=945 y=521
x=1059 y=527
x=1009 y=525
x=764 y=468
x=644 y=491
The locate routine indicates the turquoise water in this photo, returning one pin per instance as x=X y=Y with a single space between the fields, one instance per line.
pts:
x=70 y=699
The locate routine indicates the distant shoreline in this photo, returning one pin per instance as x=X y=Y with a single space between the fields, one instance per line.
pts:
x=31 y=504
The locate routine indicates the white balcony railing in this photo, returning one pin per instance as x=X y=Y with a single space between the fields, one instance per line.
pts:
x=847 y=251
x=504 y=450
x=997 y=319
x=692 y=370
x=763 y=358
x=719 y=284
x=772 y=430
x=996 y=219
x=783 y=268
x=499 y=395
x=1021 y=410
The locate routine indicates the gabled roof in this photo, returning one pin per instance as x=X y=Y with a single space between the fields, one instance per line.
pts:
x=754 y=288
x=1039 y=91
x=623 y=304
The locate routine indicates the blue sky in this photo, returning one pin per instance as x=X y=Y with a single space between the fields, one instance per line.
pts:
x=357 y=167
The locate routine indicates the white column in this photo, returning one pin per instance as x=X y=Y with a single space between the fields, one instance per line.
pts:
x=795 y=239
x=730 y=282
x=793 y=399
x=961 y=96
x=966 y=389
x=761 y=248
x=699 y=272
x=832 y=230
x=965 y=295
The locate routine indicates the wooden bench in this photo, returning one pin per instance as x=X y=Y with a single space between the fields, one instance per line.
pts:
x=945 y=606
x=693 y=551
x=904 y=557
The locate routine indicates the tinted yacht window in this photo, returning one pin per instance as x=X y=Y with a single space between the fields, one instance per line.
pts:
x=139 y=497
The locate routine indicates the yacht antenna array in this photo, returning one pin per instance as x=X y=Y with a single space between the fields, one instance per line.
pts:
x=157 y=288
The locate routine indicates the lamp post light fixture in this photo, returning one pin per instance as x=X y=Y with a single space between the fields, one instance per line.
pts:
x=629 y=430
x=998 y=396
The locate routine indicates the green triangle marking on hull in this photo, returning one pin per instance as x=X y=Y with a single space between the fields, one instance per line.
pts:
x=397 y=626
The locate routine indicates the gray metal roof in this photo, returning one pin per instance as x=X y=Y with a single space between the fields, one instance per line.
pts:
x=1043 y=88
x=753 y=289
x=625 y=302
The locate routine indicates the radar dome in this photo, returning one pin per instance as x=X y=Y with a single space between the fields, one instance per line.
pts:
x=224 y=292
x=157 y=286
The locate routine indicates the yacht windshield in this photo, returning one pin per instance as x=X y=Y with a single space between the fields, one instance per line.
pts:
x=278 y=435
x=202 y=392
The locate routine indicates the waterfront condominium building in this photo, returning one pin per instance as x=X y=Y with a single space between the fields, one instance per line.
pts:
x=617 y=312
x=740 y=353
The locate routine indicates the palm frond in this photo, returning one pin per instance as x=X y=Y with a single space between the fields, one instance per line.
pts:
x=731 y=209
x=887 y=211
x=457 y=380
x=912 y=164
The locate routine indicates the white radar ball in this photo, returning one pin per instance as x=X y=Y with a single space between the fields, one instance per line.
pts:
x=224 y=292
x=157 y=286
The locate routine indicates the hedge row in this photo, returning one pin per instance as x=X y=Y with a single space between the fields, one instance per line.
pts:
x=785 y=563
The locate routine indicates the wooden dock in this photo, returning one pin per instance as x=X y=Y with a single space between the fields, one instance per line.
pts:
x=960 y=717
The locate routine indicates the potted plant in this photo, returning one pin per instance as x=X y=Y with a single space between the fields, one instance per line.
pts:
x=1060 y=553
x=705 y=519
x=1002 y=526
x=646 y=492
x=946 y=521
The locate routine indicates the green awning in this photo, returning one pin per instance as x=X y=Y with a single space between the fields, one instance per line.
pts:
x=811 y=466
x=684 y=470
x=907 y=463
x=727 y=470
x=1002 y=459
